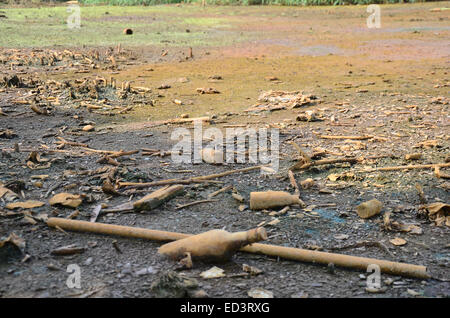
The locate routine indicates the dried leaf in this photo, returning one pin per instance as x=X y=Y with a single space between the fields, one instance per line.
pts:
x=398 y=241
x=7 y=193
x=66 y=199
x=15 y=240
x=438 y=212
x=24 y=205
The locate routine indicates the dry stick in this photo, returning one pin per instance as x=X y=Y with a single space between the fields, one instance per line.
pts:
x=176 y=121
x=186 y=181
x=322 y=162
x=300 y=151
x=179 y=207
x=347 y=137
x=64 y=142
x=361 y=244
x=434 y=165
x=439 y=174
x=228 y=187
x=291 y=253
x=112 y=154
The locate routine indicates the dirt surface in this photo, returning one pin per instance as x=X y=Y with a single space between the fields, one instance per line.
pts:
x=385 y=88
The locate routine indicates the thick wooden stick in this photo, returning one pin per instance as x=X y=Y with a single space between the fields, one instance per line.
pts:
x=291 y=253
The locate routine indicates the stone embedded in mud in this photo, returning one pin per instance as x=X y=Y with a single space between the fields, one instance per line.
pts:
x=368 y=209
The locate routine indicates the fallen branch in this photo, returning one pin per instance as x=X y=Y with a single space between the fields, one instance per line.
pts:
x=347 y=137
x=394 y=268
x=303 y=166
x=186 y=181
x=211 y=195
x=395 y=168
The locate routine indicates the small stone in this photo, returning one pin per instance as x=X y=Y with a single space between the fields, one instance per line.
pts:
x=259 y=293
x=412 y=292
x=388 y=281
x=88 y=128
x=370 y=208
x=88 y=261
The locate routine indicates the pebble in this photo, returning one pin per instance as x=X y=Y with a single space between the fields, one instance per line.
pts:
x=145 y=271
x=126 y=269
x=88 y=261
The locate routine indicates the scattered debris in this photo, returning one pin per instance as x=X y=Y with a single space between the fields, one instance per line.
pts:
x=208 y=90
x=287 y=99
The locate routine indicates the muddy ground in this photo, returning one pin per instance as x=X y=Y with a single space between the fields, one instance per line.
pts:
x=386 y=88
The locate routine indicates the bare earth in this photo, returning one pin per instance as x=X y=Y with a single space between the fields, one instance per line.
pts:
x=388 y=85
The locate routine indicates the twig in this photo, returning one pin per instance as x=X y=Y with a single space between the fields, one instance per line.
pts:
x=179 y=207
x=322 y=162
x=434 y=165
x=361 y=244
x=211 y=195
x=301 y=152
x=347 y=137
x=293 y=181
